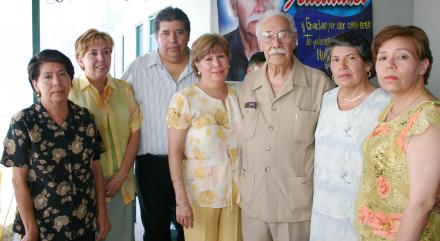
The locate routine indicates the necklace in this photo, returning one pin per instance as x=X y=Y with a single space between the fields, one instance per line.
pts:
x=355 y=98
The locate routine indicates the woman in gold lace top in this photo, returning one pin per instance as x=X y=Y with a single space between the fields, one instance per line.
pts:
x=399 y=192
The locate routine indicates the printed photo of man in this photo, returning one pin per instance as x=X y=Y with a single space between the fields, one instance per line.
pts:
x=243 y=41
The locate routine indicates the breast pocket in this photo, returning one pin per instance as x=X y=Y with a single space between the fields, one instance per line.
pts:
x=249 y=123
x=304 y=125
x=246 y=186
x=300 y=193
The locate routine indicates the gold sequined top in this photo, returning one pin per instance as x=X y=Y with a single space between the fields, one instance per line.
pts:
x=384 y=192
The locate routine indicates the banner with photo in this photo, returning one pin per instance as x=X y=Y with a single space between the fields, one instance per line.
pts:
x=315 y=20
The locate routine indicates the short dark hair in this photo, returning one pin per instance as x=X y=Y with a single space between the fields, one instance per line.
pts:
x=48 y=56
x=172 y=14
x=414 y=34
x=354 y=40
x=257 y=58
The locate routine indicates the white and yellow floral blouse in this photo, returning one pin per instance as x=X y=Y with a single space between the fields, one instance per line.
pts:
x=212 y=155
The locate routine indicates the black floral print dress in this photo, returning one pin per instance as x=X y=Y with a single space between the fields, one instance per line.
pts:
x=60 y=178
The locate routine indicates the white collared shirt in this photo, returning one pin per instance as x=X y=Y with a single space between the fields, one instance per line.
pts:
x=153 y=88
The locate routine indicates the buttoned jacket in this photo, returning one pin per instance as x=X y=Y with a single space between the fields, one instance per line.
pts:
x=276 y=181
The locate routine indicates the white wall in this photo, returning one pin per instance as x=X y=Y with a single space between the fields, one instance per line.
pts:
x=390 y=12
x=62 y=23
x=422 y=13
x=426 y=15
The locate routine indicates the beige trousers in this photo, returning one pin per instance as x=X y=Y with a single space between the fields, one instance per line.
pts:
x=257 y=230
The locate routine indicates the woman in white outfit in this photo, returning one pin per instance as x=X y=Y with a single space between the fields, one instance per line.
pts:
x=348 y=114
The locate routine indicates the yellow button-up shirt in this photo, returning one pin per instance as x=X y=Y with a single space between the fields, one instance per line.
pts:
x=117 y=115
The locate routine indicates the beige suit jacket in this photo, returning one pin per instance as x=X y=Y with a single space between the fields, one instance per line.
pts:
x=276 y=181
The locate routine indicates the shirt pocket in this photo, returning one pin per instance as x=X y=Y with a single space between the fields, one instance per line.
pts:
x=300 y=193
x=247 y=181
x=249 y=123
x=304 y=125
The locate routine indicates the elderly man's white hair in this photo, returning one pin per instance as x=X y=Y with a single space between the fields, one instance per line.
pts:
x=273 y=13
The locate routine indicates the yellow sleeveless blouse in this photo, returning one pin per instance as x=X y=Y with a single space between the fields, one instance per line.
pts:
x=383 y=192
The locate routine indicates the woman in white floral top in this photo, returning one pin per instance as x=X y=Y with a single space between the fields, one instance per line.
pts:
x=203 y=147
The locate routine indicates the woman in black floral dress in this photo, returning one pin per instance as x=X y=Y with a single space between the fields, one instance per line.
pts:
x=53 y=148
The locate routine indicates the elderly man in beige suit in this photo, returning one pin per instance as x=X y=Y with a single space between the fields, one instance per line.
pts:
x=280 y=105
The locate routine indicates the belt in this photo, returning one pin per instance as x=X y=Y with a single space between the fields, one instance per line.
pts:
x=156 y=156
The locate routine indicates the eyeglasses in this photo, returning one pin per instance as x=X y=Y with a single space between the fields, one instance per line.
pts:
x=284 y=36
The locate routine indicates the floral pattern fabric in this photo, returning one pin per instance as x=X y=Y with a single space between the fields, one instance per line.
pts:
x=384 y=191
x=212 y=155
x=59 y=160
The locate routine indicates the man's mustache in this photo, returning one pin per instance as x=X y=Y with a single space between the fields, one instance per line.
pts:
x=253 y=18
x=277 y=51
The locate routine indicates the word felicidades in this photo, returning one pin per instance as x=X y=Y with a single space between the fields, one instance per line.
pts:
x=321 y=3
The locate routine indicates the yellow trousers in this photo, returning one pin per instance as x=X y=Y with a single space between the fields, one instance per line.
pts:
x=216 y=224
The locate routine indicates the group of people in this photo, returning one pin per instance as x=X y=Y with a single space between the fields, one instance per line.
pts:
x=287 y=157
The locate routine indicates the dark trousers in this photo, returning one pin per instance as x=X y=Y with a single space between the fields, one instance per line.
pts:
x=156 y=197
x=90 y=236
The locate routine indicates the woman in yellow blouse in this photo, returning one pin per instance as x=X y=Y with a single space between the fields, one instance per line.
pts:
x=203 y=147
x=399 y=194
x=118 y=119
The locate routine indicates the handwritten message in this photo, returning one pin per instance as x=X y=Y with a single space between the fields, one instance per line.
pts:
x=312 y=32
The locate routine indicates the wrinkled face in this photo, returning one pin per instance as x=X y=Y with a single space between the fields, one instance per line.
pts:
x=53 y=83
x=277 y=41
x=398 y=69
x=214 y=66
x=96 y=61
x=348 y=68
x=249 y=12
x=172 y=39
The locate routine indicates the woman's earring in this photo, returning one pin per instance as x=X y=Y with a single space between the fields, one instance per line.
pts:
x=38 y=93
x=198 y=72
x=369 y=74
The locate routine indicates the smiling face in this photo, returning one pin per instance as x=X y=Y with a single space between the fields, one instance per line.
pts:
x=213 y=66
x=172 y=39
x=398 y=69
x=348 y=68
x=53 y=83
x=96 y=61
x=278 y=51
